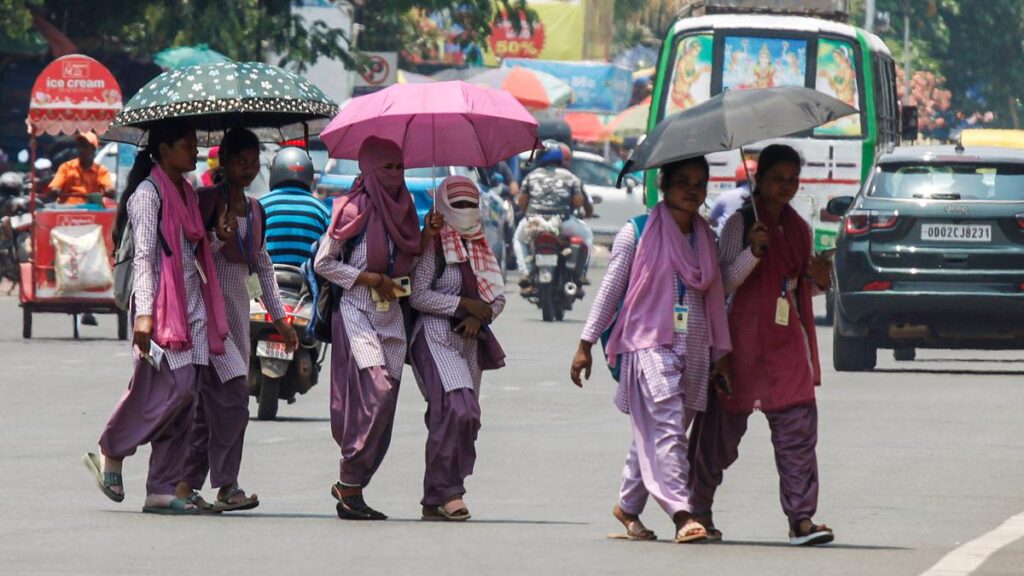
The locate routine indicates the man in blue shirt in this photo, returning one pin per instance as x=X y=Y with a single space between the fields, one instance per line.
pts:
x=295 y=218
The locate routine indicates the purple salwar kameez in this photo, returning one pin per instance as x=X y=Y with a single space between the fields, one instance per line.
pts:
x=222 y=410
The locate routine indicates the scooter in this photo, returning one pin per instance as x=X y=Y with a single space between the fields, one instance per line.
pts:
x=557 y=264
x=15 y=226
x=274 y=372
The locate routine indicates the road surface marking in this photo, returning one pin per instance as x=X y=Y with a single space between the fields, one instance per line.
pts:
x=967 y=558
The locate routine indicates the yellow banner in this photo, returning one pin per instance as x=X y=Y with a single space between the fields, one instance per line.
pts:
x=558 y=34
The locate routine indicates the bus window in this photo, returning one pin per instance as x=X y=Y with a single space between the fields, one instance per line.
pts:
x=759 y=62
x=837 y=77
x=691 y=74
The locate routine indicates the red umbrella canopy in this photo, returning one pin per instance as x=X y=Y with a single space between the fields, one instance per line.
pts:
x=586 y=127
x=74 y=93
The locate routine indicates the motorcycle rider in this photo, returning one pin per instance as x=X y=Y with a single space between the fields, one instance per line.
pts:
x=550 y=191
x=295 y=218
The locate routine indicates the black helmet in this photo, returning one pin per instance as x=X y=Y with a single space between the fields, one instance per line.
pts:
x=291 y=166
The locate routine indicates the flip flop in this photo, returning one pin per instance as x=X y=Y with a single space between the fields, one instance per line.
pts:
x=104 y=480
x=225 y=505
x=714 y=534
x=818 y=534
x=177 y=507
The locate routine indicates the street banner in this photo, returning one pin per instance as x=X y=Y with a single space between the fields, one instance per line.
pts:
x=596 y=86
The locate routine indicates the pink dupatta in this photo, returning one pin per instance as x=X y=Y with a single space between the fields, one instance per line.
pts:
x=170 y=308
x=663 y=255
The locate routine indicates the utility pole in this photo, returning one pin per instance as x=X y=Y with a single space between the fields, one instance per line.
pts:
x=907 y=72
x=869 y=15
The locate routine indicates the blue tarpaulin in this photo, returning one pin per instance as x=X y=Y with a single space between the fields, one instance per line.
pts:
x=596 y=86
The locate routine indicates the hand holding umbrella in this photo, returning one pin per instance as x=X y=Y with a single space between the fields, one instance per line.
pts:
x=757 y=239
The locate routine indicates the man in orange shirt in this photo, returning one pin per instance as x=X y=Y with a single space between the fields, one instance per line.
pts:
x=77 y=178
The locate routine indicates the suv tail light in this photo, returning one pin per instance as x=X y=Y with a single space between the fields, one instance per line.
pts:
x=1020 y=221
x=860 y=222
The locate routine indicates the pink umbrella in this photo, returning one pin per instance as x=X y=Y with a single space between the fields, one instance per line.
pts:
x=439 y=124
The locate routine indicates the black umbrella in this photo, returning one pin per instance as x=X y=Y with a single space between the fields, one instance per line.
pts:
x=732 y=120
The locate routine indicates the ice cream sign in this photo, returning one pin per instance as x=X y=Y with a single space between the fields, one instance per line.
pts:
x=74 y=93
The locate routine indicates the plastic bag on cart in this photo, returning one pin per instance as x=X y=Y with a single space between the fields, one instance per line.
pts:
x=81 y=261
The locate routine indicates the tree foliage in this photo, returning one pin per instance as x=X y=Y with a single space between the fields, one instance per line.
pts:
x=390 y=25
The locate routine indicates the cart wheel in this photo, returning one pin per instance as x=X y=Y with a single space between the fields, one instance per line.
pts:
x=122 y=325
x=74 y=324
x=26 y=321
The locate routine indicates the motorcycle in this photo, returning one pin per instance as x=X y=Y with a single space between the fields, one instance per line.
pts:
x=274 y=372
x=15 y=226
x=555 y=277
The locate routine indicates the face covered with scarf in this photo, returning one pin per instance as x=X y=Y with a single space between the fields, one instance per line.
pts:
x=462 y=238
x=380 y=204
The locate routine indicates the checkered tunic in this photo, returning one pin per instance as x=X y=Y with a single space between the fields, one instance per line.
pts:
x=376 y=338
x=455 y=356
x=738 y=262
x=143 y=211
x=662 y=366
x=236 y=301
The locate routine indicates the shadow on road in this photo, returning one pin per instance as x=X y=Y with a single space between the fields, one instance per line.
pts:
x=954 y=372
x=393 y=520
x=292 y=419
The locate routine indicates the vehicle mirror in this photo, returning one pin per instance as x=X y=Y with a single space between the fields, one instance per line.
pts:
x=908 y=123
x=839 y=205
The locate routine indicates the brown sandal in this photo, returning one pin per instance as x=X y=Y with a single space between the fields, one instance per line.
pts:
x=692 y=531
x=635 y=529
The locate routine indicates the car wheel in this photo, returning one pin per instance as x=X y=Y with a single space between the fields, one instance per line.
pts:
x=904 y=354
x=851 y=354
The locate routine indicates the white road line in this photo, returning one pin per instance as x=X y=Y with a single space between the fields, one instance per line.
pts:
x=967 y=558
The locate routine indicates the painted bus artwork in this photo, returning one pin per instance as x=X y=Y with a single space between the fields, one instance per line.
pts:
x=706 y=55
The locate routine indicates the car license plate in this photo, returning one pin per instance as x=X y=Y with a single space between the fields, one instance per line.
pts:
x=20 y=220
x=546 y=260
x=276 y=350
x=957 y=232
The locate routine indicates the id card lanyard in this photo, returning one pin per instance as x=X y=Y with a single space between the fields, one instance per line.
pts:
x=782 y=306
x=681 y=312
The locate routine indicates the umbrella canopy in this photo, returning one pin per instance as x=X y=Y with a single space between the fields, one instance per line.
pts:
x=630 y=122
x=535 y=89
x=275 y=103
x=437 y=124
x=183 y=56
x=587 y=127
x=734 y=119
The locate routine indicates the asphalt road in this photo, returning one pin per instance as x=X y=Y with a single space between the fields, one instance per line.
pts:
x=916 y=459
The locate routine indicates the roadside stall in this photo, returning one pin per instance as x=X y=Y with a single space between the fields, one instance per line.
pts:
x=70 y=269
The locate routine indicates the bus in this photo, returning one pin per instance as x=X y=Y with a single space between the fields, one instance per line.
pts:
x=705 y=55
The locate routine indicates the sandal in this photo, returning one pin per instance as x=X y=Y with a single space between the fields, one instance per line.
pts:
x=439 y=514
x=353 y=507
x=196 y=499
x=691 y=531
x=177 y=507
x=817 y=534
x=224 y=504
x=714 y=534
x=104 y=480
x=635 y=529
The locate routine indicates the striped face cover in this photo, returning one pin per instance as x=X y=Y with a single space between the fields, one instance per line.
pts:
x=462 y=237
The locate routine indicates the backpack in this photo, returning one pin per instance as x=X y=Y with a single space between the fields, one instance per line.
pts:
x=323 y=293
x=124 y=258
x=639 y=222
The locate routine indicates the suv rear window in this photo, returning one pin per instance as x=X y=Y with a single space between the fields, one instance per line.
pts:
x=974 y=182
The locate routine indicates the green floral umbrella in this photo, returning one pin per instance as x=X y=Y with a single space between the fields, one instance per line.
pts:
x=273 y=102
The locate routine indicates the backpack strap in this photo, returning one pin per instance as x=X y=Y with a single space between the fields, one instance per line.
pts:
x=440 y=264
x=263 y=221
x=160 y=218
x=747 y=211
x=639 y=223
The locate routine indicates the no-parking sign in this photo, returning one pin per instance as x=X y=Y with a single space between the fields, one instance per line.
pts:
x=382 y=70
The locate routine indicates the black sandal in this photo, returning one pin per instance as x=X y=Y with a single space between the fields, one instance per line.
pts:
x=354 y=507
x=817 y=534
